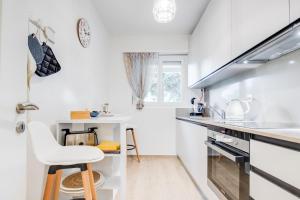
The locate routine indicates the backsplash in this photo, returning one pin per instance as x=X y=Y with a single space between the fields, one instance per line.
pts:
x=275 y=88
x=183 y=112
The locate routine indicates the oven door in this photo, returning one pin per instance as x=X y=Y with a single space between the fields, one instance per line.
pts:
x=228 y=171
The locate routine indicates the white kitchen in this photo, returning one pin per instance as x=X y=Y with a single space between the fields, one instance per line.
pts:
x=150 y=99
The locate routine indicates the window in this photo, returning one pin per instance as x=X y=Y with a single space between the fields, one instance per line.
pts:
x=166 y=80
x=171 y=82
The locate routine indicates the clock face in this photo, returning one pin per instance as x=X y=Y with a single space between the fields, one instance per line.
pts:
x=84 y=32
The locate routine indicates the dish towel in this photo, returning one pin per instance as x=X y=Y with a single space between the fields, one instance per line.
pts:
x=107 y=145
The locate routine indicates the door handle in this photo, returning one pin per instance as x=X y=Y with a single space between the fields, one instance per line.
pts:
x=22 y=107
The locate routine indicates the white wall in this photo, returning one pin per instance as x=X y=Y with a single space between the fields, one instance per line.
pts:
x=275 y=87
x=155 y=124
x=82 y=82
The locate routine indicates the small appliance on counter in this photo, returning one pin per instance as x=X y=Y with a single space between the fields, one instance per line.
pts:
x=239 y=109
x=198 y=107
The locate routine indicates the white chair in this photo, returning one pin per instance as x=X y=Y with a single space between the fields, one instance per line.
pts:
x=57 y=157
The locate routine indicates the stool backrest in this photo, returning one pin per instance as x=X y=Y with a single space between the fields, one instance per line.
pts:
x=42 y=140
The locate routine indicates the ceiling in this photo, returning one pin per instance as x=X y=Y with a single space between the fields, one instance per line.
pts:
x=135 y=16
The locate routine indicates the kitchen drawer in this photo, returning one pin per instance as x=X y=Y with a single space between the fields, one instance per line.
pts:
x=262 y=189
x=280 y=162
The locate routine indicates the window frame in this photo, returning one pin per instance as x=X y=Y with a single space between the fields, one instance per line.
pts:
x=169 y=59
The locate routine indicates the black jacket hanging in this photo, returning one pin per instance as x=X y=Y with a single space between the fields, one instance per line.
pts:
x=49 y=65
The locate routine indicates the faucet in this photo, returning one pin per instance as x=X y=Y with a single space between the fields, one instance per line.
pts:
x=220 y=112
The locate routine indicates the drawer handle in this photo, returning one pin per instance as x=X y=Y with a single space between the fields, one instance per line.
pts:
x=225 y=153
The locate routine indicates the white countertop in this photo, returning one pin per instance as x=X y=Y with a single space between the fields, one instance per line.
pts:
x=290 y=134
x=99 y=120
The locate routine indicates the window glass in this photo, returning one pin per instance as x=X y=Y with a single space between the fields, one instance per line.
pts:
x=171 y=82
x=165 y=82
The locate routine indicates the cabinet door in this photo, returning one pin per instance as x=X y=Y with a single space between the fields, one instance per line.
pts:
x=295 y=10
x=211 y=41
x=192 y=150
x=193 y=153
x=255 y=20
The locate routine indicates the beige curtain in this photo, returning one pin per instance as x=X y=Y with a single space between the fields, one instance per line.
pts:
x=137 y=67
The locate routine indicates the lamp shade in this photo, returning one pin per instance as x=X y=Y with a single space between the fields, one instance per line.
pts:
x=164 y=10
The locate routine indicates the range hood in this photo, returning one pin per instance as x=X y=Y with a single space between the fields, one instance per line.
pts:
x=279 y=44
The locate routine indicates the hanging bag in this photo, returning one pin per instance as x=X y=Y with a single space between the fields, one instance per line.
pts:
x=49 y=65
x=35 y=48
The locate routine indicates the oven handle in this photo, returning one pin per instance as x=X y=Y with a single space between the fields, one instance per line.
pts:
x=234 y=158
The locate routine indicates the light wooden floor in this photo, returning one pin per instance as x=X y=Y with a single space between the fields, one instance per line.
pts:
x=159 y=178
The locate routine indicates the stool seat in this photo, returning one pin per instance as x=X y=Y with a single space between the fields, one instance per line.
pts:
x=49 y=152
x=70 y=155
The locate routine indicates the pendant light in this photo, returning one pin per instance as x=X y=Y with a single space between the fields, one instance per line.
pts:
x=164 y=10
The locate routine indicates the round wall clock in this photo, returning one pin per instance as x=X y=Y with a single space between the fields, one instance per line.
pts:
x=84 y=32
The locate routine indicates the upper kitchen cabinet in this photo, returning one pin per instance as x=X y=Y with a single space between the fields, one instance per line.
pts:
x=255 y=20
x=295 y=10
x=210 y=44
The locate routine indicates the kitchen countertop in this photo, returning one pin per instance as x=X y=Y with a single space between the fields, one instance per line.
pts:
x=287 y=134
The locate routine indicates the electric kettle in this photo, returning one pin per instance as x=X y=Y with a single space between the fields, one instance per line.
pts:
x=237 y=109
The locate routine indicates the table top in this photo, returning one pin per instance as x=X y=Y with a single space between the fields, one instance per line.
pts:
x=99 y=120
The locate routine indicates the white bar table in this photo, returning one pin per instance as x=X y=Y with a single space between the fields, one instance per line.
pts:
x=114 y=165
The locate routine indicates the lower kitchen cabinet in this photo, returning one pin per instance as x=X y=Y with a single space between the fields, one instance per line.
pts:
x=278 y=161
x=192 y=152
x=274 y=170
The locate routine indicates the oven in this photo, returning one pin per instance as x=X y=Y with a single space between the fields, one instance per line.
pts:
x=228 y=163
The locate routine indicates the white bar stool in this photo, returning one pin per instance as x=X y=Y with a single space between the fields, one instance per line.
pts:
x=57 y=157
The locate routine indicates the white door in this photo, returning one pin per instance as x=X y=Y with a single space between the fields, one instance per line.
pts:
x=13 y=57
